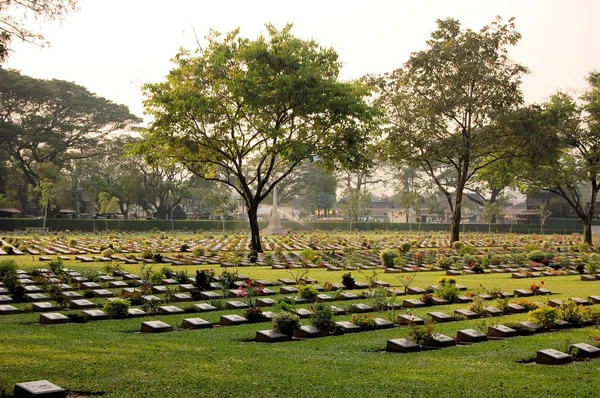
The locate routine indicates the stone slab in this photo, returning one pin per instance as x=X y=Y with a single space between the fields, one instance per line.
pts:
x=383 y=323
x=103 y=293
x=232 y=320
x=552 y=357
x=195 y=323
x=303 y=313
x=348 y=327
x=204 y=307
x=95 y=315
x=53 y=318
x=9 y=310
x=309 y=332
x=470 y=336
x=169 y=310
x=270 y=336
x=39 y=388
x=44 y=307
x=156 y=327
x=402 y=345
x=466 y=313
x=81 y=304
x=583 y=350
x=501 y=332
x=407 y=319
x=413 y=303
x=493 y=311
x=439 y=340
x=136 y=312
x=361 y=308
x=440 y=317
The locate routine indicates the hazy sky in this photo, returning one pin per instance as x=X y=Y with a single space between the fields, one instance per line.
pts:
x=112 y=47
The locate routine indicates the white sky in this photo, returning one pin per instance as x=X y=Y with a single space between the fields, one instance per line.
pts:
x=112 y=47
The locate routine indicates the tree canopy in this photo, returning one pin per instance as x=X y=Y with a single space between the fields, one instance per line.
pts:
x=247 y=112
x=444 y=105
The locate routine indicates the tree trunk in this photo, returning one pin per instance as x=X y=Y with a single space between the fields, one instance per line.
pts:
x=254 y=229
x=587 y=231
x=455 y=224
x=493 y=198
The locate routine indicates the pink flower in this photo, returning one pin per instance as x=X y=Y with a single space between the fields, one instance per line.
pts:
x=595 y=339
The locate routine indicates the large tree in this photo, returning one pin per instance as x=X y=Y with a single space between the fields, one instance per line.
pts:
x=444 y=104
x=568 y=162
x=53 y=121
x=247 y=112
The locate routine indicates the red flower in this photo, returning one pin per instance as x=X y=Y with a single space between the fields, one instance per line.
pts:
x=542 y=282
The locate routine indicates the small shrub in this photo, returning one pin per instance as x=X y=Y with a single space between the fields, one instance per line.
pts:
x=446 y=281
x=528 y=304
x=421 y=334
x=458 y=245
x=56 y=266
x=546 y=317
x=323 y=318
x=204 y=278
x=199 y=251
x=107 y=252
x=365 y=321
x=477 y=306
x=387 y=257
x=147 y=254
x=539 y=256
x=467 y=250
x=156 y=278
x=254 y=315
x=286 y=323
x=405 y=247
x=573 y=313
x=448 y=292
x=308 y=293
x=348 y=280
x=151 y=306
x=427 y=299
x=117 y=308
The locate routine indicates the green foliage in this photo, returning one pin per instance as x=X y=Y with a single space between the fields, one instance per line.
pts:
x=308 y=293
x=254 y=314
x=286 y=323
x=421 y=334
x=107 y=252
x=458 y=245
x=323 y=318
x=365 y=321
x=204 y=278
x=387 y=257
x=545 y=316
x=538 y=256
x=445 y=281
x=405 y=247
x=117 y=308
x=466 y=249
x=448 y=292
x=199 y=251
x=348 y=280
x=573 y=313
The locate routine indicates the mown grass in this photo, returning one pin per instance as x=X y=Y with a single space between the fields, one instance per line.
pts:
x=110 y=358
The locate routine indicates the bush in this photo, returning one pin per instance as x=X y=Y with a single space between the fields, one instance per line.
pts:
x=156 y=278
x=204 y=278
x=528 y=304
x=107 y=252
x=539 y=256
x=254 y=315
x=147 y=254
x=365 y=321
x=117 y=308
x=470 y=250
x=348 y=280
x=421 y=335
x=571 y=312
x=7 y=267
x=308 y=293
x=478 y=306
x=323 y=319
x=446 y=281
x=546 y=317
x=199 y=251
x=427 y=299
x=286 y=323
x=405 y=247
x=387 y=257
x=448 y=292
x=458 y=245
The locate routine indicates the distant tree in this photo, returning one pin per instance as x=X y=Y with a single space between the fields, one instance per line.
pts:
x=444 y=104
x=355 y=205
x=569 y=164
x=13 y=14
x=247 y=113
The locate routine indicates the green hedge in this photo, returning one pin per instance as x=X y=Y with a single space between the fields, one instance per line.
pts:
x=553 y=226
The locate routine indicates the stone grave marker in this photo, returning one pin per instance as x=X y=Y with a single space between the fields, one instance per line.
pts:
x=210 y=295
x=270 y=336
x=150 y=297
x=265 y=302
x=102 y=293
x=232 y=320
x=408 y=319
x=131 y=277
x=156 y=327
x=412 y=303
x=580 y=301
x=169 y=310
x=44 y=307
x=552 y=357
x=32 y=289
x=383 y=324
x=501 y=332
x=439 y=340
x=361 y=308
x=236 y=305
x=106 y=278
x=9 y=310
x=195 y=323
x=36 y=297
x=159 y=289
x=39 y=388
x=72 y=295
x=513 y=308
x=416 y=290
x=493 y=311
x=303 y=313
x=4 y=290
x=402 y=345
x=583 y=350
x=594 y=299
x=440 y=317
x=555 y=303
x=309 y=332
x=324 y=297
x=5 y=299
x=187 y=287
x=348 y=296
x=466 y=313
x=53 y=318
x=439 y=301
x=181 y=297
x=288 y=290
x=531 y=327
x=381 y=284
x=337 y=310
x=523 y=293
x=348 y=327
x=81 y=304
x=464 y=299
x=284 y=281
x=136 y=312
x=117 y=284
x=204 y=307
x=95 y=315
x=90 y=285
x=470 y=336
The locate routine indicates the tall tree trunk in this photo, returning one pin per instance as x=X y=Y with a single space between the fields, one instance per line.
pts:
x=455 y=224
x=493 y=198
x=587 y=230
x=254 y=228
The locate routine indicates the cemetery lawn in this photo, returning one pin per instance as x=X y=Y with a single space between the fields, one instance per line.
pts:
x=112 y=359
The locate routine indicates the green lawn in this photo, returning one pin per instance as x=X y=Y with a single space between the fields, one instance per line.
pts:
x=110 y=358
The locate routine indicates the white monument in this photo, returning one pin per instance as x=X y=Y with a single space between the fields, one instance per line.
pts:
x=274 y=227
